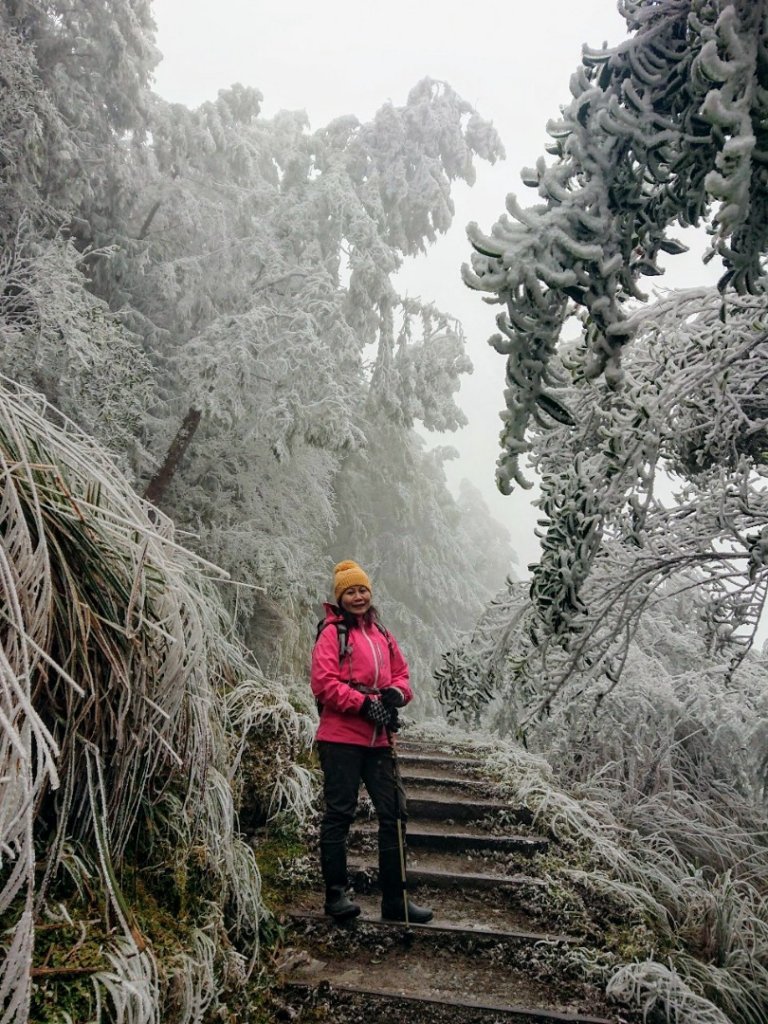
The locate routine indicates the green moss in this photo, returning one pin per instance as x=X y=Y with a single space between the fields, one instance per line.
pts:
x=58 y=1002
x=281 y=853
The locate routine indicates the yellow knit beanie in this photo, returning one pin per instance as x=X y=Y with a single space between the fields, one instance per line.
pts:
x=348 y=574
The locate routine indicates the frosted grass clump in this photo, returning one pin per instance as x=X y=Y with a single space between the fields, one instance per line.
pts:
x=256 y=708
x=711 y=920
x=652 y=985
x=116 y=751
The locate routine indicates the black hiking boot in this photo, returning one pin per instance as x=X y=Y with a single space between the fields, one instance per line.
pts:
x=338 y=905
x=393 y=909
x=333 y=862
x=393 y=897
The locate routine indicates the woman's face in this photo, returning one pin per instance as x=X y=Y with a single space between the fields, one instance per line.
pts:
x=356 y=600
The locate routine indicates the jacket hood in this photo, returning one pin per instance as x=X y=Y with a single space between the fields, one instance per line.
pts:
x=332 y=613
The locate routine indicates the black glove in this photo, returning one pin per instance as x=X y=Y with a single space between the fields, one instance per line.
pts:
x=393 y=725
x=375 y=711
x=392 y=697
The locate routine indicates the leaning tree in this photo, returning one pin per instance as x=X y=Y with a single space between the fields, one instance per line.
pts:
x=667 y=129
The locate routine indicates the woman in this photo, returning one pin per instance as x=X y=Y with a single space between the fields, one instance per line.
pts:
x=359 y=678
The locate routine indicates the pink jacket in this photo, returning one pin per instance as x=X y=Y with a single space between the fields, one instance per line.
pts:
x=371 y=659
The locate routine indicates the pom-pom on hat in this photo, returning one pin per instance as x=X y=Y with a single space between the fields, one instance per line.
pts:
x=348 y=574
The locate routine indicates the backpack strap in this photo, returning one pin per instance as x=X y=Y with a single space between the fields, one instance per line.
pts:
x=343 y=635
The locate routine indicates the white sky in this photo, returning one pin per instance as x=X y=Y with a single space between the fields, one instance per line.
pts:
x=512 y=60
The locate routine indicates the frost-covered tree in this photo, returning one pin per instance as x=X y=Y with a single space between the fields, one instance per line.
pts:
x=247 y=266
x=666 y=129
x=488 y=538
x=261 y=285
x=55 y=335
x=74 y=109
x=656 y=488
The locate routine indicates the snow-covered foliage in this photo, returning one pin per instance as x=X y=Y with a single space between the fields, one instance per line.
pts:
x=252 y=334
x=629 y=666
x=686 y=873
x=472 y=673
x=258 y=272
x=619 y=533
x=120 y=727
x=667 y=128
x=74 y=104
x=627 y=663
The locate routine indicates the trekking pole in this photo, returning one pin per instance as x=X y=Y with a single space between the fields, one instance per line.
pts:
x=401 y=849
x=400 y=843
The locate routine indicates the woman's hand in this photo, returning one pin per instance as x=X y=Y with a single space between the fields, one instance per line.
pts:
x=375 y=711
x=392 y=697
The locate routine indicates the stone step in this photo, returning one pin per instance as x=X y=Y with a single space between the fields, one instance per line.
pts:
x=445 y=761
x=446 y=783
x=400 y=983
x=407 y=746
x=441 y=805
x=365 y=872
x=370 y=925
x=437 y=806
x=423 y=835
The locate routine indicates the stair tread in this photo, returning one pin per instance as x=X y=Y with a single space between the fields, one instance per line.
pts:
x=430 y=759
x=438 y=796
x=395 y=976
x=418 y=828
x=370 y=917
x=466 y=783
x=444 y=867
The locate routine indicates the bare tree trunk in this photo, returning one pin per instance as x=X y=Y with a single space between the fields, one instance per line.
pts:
x=148 y=220
x=158 y=485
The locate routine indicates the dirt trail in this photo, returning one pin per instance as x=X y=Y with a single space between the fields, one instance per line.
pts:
x=489 y=955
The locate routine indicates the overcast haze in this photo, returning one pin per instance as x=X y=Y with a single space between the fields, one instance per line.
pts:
x=512 y=61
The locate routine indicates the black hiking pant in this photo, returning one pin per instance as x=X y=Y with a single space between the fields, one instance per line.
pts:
x=344 y=766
